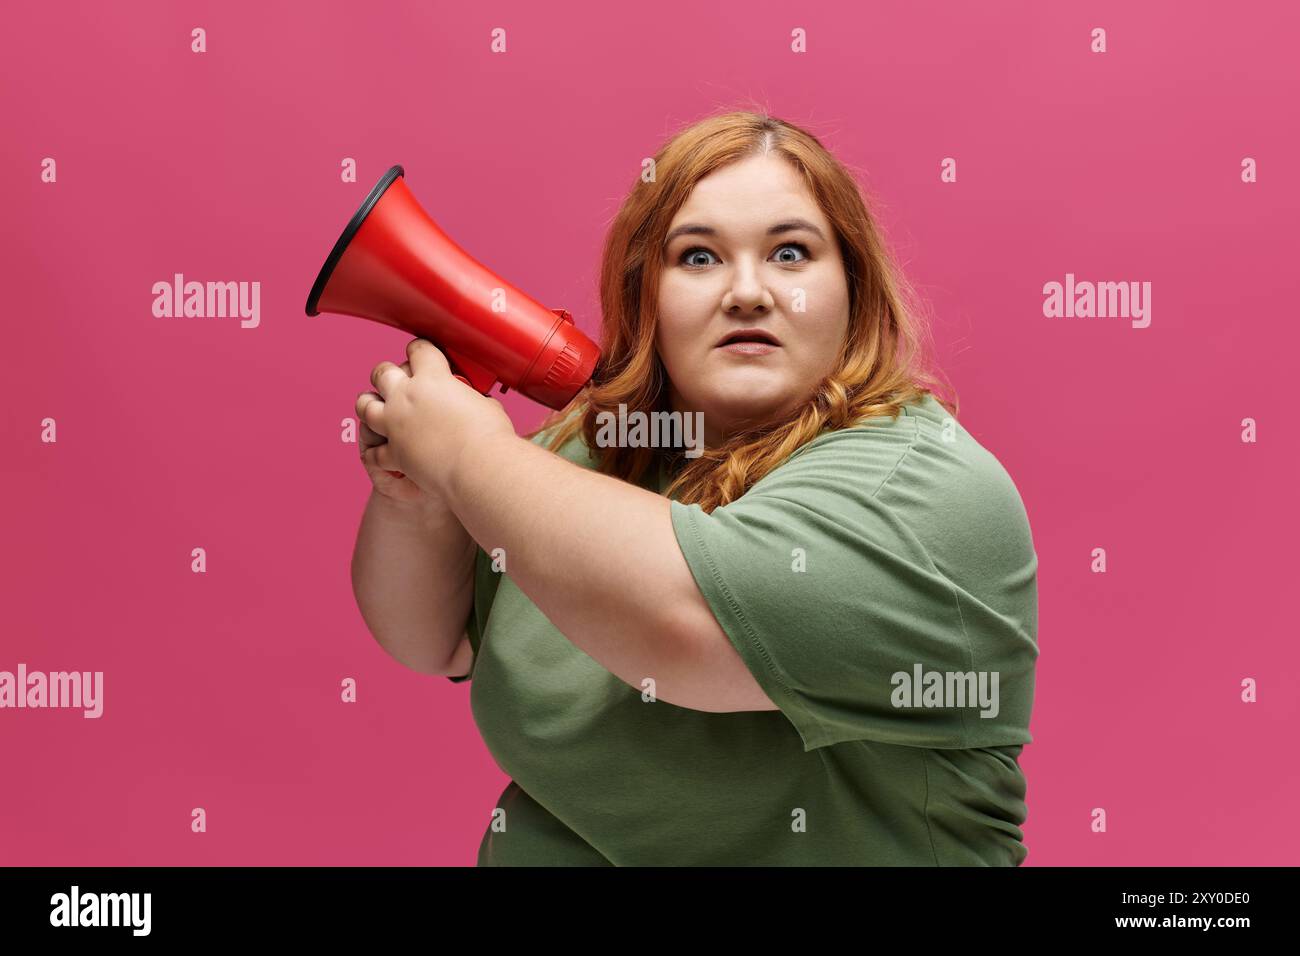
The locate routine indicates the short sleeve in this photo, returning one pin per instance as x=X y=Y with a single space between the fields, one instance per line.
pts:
x=836 y=606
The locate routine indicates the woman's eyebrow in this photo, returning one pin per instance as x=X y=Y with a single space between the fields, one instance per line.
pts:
x=786 y=225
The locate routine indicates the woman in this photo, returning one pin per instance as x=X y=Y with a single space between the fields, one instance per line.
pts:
x=811 y=642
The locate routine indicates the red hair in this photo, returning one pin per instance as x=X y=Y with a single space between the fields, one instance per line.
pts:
x=880 y=366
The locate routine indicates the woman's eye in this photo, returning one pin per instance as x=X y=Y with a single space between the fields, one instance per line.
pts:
x=793 y=245
x=695 y=251
x=686 y=257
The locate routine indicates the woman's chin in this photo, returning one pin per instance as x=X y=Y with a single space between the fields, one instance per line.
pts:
x=751 y=405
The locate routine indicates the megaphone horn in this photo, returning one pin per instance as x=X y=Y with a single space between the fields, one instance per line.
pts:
x=393 y=265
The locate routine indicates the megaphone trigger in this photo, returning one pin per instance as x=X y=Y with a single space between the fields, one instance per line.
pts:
x=476 y=376
x=455 y=370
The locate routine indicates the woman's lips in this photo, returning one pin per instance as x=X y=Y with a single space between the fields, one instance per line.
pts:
x=749 y=348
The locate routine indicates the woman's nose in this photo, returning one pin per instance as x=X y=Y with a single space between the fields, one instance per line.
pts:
x=747 y=291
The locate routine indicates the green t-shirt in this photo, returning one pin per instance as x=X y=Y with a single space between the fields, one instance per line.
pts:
x=875 y=574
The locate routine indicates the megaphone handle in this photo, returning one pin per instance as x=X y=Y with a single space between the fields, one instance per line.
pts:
x=455 y=369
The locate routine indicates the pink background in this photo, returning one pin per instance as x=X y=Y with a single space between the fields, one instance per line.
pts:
x=222 y=689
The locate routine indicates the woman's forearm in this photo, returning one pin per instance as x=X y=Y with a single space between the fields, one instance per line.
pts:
x=598 y=556
x=412 y=575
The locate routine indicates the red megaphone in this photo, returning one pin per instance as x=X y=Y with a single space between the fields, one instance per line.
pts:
x=394 y=265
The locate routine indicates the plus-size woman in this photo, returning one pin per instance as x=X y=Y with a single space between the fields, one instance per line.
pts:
x=813 y=643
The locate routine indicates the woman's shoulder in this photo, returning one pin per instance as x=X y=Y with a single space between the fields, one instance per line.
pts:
x=880 y=439
x=923 y=446
x=921 y=476
x=574 y=448
x=922 y=420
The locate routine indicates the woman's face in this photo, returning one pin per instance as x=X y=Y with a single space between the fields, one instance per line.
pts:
x=745 y=263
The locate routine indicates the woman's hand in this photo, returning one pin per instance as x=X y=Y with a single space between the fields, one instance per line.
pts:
x=426 y=418
x=393 y=485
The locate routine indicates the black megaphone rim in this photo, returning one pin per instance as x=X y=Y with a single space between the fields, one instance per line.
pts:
x=351 y=230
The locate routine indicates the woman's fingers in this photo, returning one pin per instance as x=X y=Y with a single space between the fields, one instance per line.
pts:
x=380 y=372
x=382 y=456
x=385 y=368
x=370 y=408
x=428 y=356
x=370 y=438
x=370 y=413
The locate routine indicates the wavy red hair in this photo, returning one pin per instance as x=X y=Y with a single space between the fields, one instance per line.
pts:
x=882 y=362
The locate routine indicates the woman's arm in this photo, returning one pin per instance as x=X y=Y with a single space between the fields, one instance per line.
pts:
x=413 y=577
x=598 y=556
